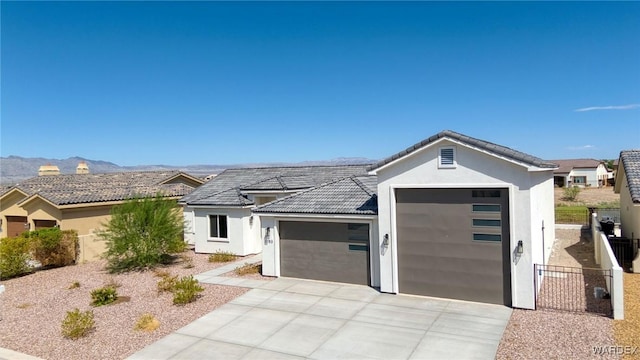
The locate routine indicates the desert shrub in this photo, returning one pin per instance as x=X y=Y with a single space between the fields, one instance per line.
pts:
x=247 y=269
x=142 y=233
x=186 y=290
x=74 y=285
x=77 y=324
x=222 y=256
x=147 y=322
x=161 y=273
x=14 y=257
x=570 y=193
x=103 y=296
x=187 y=261
x=53 y=247
x=167 y=283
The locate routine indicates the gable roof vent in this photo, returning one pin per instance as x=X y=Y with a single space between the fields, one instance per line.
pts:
x=447 y=157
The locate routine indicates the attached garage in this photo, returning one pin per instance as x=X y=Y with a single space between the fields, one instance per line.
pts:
x=330 y=251
x=454 y=243
x=16 y=225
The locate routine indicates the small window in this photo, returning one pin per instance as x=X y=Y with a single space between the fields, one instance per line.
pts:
x=447 y=157
x=485 y=193
x=486 y=222
x=218 y=226
x=487 y=237
x=486 y=208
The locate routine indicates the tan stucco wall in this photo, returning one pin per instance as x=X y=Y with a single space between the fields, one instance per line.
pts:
x=41 y=210
x=629 y=212
x=85 y=220
x=9 y=207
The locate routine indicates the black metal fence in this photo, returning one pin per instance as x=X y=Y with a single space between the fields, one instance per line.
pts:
x=625 y=250
x=572 y=289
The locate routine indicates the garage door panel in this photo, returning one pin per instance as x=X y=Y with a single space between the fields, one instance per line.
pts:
x=324 y=251
x=438 y=253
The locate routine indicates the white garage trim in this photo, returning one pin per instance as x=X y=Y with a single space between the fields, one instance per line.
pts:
x=394 y=234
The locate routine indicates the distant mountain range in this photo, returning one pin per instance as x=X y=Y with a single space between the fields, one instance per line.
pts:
x=16 y=168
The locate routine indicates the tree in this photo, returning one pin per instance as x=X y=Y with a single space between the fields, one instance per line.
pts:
x=142 y=233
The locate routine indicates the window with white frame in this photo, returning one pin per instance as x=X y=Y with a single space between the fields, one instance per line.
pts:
x=447 y=157
x=218 y=226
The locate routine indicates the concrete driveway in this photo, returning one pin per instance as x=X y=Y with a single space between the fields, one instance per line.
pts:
x=296 y=319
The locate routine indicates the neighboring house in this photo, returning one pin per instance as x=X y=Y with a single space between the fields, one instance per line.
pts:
x=451 y=216
x=580 y=172
x=628 y=186
x=82 y=201
x=219 y=215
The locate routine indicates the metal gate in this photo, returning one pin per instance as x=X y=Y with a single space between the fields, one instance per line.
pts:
x=625 y=250
x=572 y=289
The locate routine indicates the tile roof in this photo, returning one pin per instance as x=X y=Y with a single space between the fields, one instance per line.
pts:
x=481 y=144
x=218 y=191
x=630 y=160
x=89 y=188
x=354 y=195
x=566 y=165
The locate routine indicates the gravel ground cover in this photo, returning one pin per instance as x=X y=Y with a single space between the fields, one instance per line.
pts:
x=548 y=334
x=252 y=276
x=32 y=309
x=627 y=331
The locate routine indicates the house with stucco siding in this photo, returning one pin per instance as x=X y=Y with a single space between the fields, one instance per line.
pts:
x=82 y=201
x=451 y=216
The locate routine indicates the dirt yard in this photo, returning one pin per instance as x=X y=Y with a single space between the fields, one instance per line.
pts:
x=590 y=197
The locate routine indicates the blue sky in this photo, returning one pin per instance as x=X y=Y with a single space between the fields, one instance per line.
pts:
x=221 y=83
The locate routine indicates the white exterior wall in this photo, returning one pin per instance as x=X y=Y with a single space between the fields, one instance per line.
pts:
x=474 y=169
x=271 y=246
x=542 y=216
x=189 y=225
x=241 y=234
x=591 y=174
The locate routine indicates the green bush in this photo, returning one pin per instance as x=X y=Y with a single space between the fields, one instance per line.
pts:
x=77 y=324
x=570 y=193
x=222 y=256
x=53 y=247
x=186 y=290
x=14 y=257
x=142 y=233
x=103 y=296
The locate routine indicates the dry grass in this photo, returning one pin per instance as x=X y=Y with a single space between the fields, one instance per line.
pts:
x=627 y=331
x=247 y=269
x=604 y=197
x=147 y=322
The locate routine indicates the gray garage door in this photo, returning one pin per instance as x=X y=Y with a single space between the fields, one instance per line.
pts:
x=453 y=243
x=325 y=251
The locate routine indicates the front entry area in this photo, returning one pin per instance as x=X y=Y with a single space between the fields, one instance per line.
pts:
x=325 y=251
x=454 y=243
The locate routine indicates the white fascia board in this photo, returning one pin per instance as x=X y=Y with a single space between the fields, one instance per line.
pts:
x=219 y=207
x=458 y=142
x=317 y=217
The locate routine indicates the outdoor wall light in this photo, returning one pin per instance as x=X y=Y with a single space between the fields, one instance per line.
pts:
x=251 y=220
x=520 y=248
x=267 y=236
x=385 y=240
